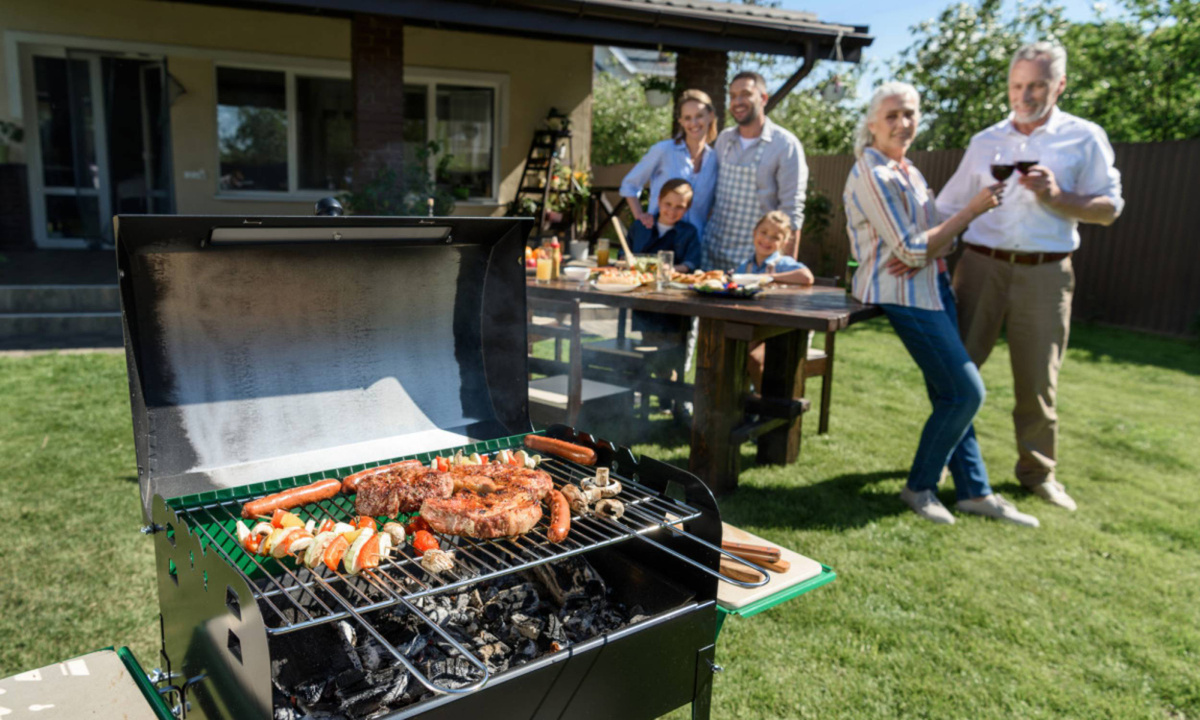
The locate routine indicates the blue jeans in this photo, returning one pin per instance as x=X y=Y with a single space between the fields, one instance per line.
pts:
x=956 y=391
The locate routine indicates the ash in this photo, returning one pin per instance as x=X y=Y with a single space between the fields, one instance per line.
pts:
x=339 y=672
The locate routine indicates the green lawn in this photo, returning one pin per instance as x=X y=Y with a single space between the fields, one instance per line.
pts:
x=1094 y=615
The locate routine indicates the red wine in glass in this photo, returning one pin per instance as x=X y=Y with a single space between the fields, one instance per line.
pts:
x=1001 y=171
x=1023 y=166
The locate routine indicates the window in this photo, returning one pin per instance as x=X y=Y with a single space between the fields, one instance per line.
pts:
x=324 y=132
x=252 y=129
x=466 y=130
x=285 y=131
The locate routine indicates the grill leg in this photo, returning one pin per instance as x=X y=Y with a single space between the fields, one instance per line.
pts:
x=702 y=701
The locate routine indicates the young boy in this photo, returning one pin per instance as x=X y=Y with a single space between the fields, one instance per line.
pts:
x=772 y=230
x=670 y=231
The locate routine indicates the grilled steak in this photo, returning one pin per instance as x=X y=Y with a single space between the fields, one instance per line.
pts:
x=498 y=514
x=400 y=491
x=489 y=501
x=492 y=477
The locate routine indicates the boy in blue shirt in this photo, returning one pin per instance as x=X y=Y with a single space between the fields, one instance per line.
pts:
x=670 y=232
x=770 y=232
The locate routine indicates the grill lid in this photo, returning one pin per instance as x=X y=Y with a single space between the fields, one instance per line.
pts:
x=261 y=348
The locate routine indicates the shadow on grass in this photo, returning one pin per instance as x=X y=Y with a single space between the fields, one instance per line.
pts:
x=838 y=503
x=1104 y=344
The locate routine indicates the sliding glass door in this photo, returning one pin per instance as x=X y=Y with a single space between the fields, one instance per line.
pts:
x=98 y=142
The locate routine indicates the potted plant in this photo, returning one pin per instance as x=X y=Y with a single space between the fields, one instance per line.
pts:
x=659 y=90
x=10 y=134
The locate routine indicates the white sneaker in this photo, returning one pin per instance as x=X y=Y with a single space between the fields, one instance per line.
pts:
x=926 y=504
x=994 y=506
x=1054 y=493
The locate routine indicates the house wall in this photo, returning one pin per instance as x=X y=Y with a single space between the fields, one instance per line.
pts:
x=194 y=37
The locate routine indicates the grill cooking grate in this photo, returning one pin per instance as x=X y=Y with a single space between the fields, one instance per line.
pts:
x=294 y=597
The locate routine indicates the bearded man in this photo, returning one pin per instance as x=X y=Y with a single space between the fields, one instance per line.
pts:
x=1016 y=271
x=761 y=168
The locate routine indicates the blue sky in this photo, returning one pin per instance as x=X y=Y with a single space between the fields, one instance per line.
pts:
x=890 y=20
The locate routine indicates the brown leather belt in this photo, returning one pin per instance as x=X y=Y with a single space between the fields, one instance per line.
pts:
x=1019 y=258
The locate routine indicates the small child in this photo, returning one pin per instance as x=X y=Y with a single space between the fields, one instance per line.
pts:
x=770 y=232
x=670 y=231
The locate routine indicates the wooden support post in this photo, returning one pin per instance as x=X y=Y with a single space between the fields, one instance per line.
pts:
x=783 y=378
x=721 y=369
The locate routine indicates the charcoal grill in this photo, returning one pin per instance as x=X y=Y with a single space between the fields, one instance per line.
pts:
x=266 y=353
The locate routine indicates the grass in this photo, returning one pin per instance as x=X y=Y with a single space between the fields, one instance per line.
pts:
x=1094 y=615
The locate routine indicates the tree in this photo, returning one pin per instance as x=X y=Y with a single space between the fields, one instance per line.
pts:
x=1136 y=74
x=623 y=125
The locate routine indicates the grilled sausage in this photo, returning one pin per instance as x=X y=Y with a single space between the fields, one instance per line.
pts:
x=294 y=498
x=350 y=484
x=563 y=449
x=560 y=516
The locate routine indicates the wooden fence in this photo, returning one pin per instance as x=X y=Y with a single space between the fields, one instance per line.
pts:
x=1142 y=272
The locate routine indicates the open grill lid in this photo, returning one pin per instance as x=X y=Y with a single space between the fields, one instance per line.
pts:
x=269 y=347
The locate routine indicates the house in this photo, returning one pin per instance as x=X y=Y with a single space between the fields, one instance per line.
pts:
x=136 y=106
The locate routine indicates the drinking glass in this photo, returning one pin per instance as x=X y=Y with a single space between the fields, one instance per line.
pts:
x=1025 y=158
x=662 y=271
x=1002 y=166
x=545 y=264
x=602 y=252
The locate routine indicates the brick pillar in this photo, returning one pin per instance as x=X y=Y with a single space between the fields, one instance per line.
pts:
x=377 y=70
x=704 y=70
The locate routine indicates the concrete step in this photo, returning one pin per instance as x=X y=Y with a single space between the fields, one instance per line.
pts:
x=59 y=299
x=38 y=330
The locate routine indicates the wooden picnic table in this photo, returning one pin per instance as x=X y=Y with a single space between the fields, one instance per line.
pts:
x=782 y=316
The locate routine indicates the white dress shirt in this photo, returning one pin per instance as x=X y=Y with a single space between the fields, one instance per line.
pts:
x=1075 y=150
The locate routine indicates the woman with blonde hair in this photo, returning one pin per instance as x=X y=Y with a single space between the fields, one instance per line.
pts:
x=687 y=155
x=899 y=242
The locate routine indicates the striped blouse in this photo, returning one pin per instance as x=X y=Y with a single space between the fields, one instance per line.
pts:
x=889 y=211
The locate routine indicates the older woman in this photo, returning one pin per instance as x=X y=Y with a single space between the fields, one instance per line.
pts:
x=899 y=241
x=687 y=155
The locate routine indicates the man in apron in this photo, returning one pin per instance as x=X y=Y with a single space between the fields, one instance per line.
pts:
x=761 y=168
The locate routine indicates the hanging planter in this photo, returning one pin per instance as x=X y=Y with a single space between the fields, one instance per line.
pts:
x=659 y=90
x=834 y=91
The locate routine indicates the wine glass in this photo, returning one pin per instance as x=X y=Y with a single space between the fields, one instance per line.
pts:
x=1025 y=158
x=1002 y=166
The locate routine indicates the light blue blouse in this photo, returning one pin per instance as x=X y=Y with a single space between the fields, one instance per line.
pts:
x=668 y=160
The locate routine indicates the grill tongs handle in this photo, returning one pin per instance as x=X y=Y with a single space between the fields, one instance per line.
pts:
x=766 y=578
x=467 y=654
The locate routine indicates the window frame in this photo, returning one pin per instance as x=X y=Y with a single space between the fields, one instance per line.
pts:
x=429 y=77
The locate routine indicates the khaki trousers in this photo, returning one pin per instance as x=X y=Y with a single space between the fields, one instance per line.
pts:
x=1033 y=303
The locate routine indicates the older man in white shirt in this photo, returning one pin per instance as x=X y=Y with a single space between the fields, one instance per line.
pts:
x=1016 y=271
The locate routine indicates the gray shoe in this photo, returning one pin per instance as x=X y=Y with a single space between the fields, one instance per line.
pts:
x=994 y=506
x=926 y=504
x=1054 y=493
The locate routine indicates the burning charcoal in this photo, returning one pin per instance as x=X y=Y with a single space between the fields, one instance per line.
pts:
x=528 y=627
x=570 y=578
x=349 y=678
x=453 y=672
x=493 y=652
x=476 y=599
x=554 y=629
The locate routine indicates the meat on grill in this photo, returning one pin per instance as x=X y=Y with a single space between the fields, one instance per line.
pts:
x=401 y=490
x=489 y=501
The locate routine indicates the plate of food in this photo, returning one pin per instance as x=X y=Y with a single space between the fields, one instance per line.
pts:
x=729 y=289
x=615 y=287
x=752 y=278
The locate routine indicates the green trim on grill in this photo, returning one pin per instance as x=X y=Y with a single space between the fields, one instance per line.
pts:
x=826 y=576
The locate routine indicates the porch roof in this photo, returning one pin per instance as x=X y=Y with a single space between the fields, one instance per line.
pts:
x=669 y=24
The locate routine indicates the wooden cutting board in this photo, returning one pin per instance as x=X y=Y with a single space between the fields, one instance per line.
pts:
x=732 y=597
